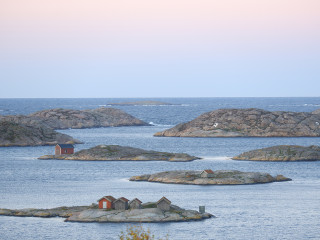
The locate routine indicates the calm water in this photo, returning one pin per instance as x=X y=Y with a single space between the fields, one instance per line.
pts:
x=287 y=210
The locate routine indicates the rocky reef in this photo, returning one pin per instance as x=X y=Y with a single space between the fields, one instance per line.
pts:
x=121 y=153
x=250 y=122
x=282 y=153
x=94 y=214
x=219 y=177
x=17 y=134
x=140 y=103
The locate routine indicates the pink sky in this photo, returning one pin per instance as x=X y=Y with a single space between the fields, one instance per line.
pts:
x=78 y=23
x=155 y=31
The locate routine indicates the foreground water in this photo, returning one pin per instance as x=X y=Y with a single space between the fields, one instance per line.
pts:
x=285 y=210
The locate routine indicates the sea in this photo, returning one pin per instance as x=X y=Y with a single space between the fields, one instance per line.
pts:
x=282 y=210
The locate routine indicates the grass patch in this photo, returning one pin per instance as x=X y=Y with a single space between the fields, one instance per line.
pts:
x=150 y=205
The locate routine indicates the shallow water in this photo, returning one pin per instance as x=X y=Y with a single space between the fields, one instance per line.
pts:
x=285 y=210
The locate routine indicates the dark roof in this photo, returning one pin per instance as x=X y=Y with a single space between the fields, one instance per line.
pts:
x=164 y=199
x=65 y=145
x=135 y=199
x=208 y=171
x=109 y=198
x=122 y=199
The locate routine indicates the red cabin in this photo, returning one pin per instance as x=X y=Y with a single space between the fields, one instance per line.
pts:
x=106 y=202
x=64 y=149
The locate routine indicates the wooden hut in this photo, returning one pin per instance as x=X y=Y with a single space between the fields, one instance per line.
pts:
x=135 y=204
x=206 y=173
x=121 y=204
x=106 y=202
x=164 y=204
x=64 y=149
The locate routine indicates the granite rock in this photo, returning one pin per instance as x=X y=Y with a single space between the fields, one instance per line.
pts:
x=282 y=153
x=93 y=214
x=250 y=122
x=67 y=118
x=17 y=134
x=220 y=177
x=122 y=153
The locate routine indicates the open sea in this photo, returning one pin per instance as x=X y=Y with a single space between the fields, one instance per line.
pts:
x=284 y=210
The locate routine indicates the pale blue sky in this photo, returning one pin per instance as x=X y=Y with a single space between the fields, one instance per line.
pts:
x=266 y=49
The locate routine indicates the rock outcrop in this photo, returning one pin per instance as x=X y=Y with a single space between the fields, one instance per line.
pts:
x=93 y=214
x=219 y=177
x=17 y=134
x=316 y=111
x=140 y=103
x=67 y=118
x=250 y=122
x=282 y=153
x=38 y=127
x=121 y=153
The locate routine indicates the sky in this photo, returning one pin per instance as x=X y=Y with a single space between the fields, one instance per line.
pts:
x=159 y=48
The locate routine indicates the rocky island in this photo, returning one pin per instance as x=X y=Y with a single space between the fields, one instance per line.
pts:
x=140 y=103
x=121 y=153
x=17 y=134
x=250 y=122
x=282 y=153
x=148 y=212
x=209 y=177
x=38 y=128
x=68 y=118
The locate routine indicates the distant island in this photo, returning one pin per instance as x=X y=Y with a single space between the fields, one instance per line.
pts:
x=209 y=177
x=69 y=118
x=121 y=153
x=39 y=128
x=18 y=134
x=282 y=153
x=251 y=122
x=119 y=210
x=141 y=103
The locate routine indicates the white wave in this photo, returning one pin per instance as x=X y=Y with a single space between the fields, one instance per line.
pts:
x=103 y=105
x=295 y=105
x=215 y=158
x=160 y=125
x=123 y=180
x=28 y=158
x=156 y=105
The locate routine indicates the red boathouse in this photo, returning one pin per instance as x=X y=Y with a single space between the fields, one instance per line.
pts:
x=106 y=202
x=64 y=149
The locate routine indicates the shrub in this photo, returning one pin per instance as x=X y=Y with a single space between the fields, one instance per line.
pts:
x=137 y=233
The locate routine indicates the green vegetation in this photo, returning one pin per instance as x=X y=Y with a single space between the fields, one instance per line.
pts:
x=150 y=205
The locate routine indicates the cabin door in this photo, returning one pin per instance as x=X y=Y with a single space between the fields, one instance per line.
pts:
x=104 y=205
